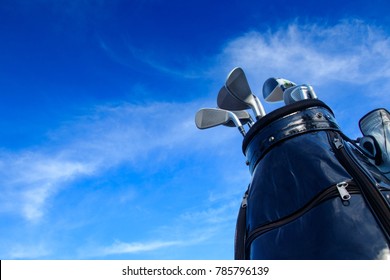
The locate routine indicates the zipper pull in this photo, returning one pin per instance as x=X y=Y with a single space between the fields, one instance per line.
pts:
x=342 y=188
x=338 y=144
x=244 y=202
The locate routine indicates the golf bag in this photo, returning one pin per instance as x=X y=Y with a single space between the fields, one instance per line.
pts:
x=315 y=193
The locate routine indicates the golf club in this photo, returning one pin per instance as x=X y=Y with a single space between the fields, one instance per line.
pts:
x=227 y=101
x=211 y=117
x=237 y=85
x=244 y=118
x=297 y=93
x=273 y=89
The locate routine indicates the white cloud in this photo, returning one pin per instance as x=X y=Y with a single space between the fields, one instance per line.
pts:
x=194 y=231
x=28 y=179
x=36 y=251
x=131 y=54
x=195 y=227
x=131 y=248
x=91 y=144
x=212 y=216
x=350 y=51
x=348 y=64
x=171 y=236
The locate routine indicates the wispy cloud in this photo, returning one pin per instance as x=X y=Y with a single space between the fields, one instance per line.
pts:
x=135 y=249
x=89 y=145
x=131 y=56
x=350 y=51
x=119 y=247
x=189 y=229
x=30 y=178
x=35 y=251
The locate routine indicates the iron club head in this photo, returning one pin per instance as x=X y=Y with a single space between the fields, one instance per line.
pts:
x=237 y=85
x=297 y=93
x=211 y=117
x=227 y=101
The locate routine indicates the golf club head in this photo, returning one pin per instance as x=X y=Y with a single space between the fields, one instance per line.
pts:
x=273 y=89
x=227 y=101
x=244 y=118
x=298 y=93
x=237 y=84
x=211 y=117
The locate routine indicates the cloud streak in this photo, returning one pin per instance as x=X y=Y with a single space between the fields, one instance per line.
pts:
x=197 y=226
x=91 y=144
x=127 y=54
x=350 y=51
x=28 y=179
x=134 y=248
x=36 y=251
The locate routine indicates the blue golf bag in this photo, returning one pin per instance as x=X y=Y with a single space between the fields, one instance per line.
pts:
x=315 y=193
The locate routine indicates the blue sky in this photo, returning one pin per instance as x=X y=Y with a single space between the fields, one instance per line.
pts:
x=99 y=154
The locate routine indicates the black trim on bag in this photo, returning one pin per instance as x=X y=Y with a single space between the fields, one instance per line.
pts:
x=279 y=113
x=302 y=119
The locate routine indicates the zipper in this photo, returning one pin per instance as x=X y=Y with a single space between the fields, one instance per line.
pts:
x=367 y=185
x=340 y=189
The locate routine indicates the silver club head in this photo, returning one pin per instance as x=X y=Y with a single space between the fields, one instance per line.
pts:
x=297 y=93
x=237 y=85
x=211 y=117
x=244 y=118
x=227 y=101
x=273 y=89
